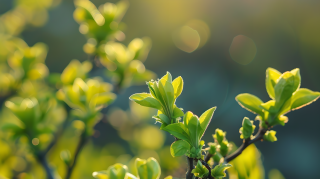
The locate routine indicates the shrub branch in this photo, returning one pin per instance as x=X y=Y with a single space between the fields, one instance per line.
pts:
x=245 y=144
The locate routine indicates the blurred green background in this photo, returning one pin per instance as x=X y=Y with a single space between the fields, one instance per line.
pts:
x=221 y=49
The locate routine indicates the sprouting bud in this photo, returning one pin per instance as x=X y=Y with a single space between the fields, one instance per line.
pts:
x=224 y=147
x=219 y=171
x=200 y=171
x=148 y=169
x=212 y=148
x=247 y=128
x=270 y=136
x=219 y=135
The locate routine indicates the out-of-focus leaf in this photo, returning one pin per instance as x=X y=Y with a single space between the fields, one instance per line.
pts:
x=148 y=169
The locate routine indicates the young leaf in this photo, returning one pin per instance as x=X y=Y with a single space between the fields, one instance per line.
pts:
x=205 y=119
x=148 y=169
x=177 y=112
x=284 y=88
x=219 y=171
x=162 y=119
x=271 y=80
x=219 y=135
x=297 y=78
x=178 y=130
x=247 y=128
x=145 y=99
x=117 y=171
x=270 y=136
x=224 y=148
x=269 y=106
x=303 y=97
x=177 y=86
x=200 y=171
x=250 y=102
x=179 y=148
x=193 y=125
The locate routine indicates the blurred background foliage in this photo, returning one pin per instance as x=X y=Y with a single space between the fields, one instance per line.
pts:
x=220 y=48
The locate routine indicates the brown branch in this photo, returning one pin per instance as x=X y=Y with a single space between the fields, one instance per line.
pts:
x=245 y=144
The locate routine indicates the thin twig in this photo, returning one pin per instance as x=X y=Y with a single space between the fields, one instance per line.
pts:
x=83 y=140
x=245 y=144
x=43 y=161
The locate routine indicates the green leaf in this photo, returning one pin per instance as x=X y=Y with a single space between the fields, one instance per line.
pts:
x=212 y=148
x=271 y=80
x=177 y=86
x=200 y=171
x=217 y=157
x=116 y=171
x=219 y=135
x=269 y=106
x=148 y=169
x=284 y=88
x=179 y=148
x=177 y=112
x=166 y=78
x=297 y=78
x=178 y=130
x=205 y=119
x=168 y=99
x=12 y=127
x=300 y=98
x=250 y=102
x=270 y=136
x=102 y=99
x=247 y=128
x=145 y=99
x=303 y=97
x=193 y=125
x=224 y=148
x=162 y=119
x=219 y=171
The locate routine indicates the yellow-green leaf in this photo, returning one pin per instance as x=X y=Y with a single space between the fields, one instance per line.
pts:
x=145 y=99
x=250 y=102
x=271 y=80
x=177 y=86
x=205 y=119
x=179 y=148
